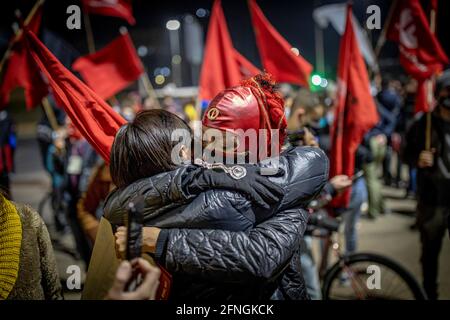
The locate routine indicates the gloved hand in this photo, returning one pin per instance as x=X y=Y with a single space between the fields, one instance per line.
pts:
x=256 y=187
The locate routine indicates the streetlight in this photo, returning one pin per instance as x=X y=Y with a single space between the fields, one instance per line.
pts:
x=173 y=26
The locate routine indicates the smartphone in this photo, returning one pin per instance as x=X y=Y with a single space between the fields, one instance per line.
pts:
x=134 y=239
x=357 y=175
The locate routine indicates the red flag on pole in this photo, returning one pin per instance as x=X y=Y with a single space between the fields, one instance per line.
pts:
x=21 y=71
x=276 y=53
x=111 y=69
x=114 y=8
x=220 y=69
x=420 y=52
x=423 y=103
x=90 y=114
x=355 y=110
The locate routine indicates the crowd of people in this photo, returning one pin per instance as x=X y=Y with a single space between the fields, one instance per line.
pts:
x=212 y=235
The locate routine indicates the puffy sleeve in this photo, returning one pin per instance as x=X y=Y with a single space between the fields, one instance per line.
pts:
x=263 y=252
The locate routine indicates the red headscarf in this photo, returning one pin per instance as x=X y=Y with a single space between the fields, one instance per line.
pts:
x=255 y=104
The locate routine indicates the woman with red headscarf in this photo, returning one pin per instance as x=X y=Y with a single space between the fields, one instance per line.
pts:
x=227 y=261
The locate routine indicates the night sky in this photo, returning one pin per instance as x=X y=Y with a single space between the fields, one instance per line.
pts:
x=293 y=19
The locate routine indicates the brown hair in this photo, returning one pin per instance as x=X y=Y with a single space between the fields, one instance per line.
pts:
x=143 y=147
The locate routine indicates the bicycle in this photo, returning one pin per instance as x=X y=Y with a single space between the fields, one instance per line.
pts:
x=351 y=276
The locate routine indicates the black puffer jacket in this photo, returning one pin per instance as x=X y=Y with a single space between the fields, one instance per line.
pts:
x=228 y=248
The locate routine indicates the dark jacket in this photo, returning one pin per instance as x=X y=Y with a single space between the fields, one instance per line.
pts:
x=388 y=106
x=253 y=252
x=432 y=183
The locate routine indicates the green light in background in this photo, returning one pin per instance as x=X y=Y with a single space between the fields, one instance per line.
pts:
x=316 y=79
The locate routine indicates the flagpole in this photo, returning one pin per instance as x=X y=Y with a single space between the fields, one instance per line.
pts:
x=50 y=113
x=430 y=83
x=19 y=33
x=149 y=88
x=382 y=39
x=44 y=103
x=89 y=33
x=145 y=79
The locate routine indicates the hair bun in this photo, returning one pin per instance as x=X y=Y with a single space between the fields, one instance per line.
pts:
x=274 y=102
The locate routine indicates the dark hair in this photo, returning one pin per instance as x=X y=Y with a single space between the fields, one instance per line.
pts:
x=143 y=147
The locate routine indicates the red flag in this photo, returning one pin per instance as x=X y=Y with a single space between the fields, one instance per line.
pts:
x=420 y=52
x=423 y=103
x=111 y=69
x=355 y=110
x=276 y=54
x=246 y=67
x=90 y=114
x=21 y=71
x=114 y=8
x=434 y=4
x=220 y=69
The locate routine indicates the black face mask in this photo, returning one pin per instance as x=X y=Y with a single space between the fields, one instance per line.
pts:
x=444 y=102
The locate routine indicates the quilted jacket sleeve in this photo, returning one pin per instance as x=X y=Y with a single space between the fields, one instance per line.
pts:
x=235 y=256
x=306 y=172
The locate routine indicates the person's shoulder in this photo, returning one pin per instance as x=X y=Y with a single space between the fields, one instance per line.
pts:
x=29 y=217
x=304 y=151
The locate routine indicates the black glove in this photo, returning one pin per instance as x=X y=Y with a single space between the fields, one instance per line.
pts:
x=256 y=187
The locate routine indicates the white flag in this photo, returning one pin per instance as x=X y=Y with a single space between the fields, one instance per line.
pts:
x=335 y=14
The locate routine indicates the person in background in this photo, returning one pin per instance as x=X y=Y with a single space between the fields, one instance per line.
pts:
x=45 y=132
x=376 y=142
x=404 y=122
x=91 y=202
x=150 y=103
x=358 y=196
x=27 y=262
x=389 y=104
x=171 y=105
x=433 y=181
x=78 y=157
x=55 y=164
x=7 y=147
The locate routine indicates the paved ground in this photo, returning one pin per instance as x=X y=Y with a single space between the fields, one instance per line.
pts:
x=389 y=235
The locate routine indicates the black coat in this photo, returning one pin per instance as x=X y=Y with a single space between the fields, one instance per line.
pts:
x=228 y=248
x=432 y=183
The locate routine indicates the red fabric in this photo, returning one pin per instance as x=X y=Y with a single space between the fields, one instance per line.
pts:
x=6 y=159
x=220 y=69
x=422 y=103
x=276 y=54
x=434 y=4
x=89 y=113
x=246 y=67
x=420 y=52
x=114 y=8
x=253 y=105
x=21 y=71
x=355 y=109
x=111 y=69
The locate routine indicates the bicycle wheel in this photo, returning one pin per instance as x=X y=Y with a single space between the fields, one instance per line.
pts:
x=367 y=276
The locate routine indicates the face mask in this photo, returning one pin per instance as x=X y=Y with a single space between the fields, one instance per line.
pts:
x=444 y=102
